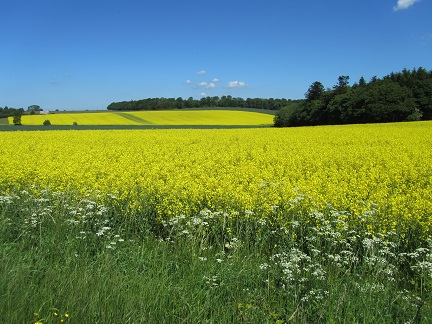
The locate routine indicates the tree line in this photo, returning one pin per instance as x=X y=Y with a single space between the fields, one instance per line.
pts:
x=9 y=112
x=401 y=96
x=16 y=113
x=216 y=101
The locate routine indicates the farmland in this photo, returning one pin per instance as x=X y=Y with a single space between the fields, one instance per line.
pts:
x=185 y=170
x=274 y=222
x=166 y=117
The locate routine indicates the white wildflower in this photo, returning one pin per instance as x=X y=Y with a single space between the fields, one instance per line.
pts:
x=264 y=266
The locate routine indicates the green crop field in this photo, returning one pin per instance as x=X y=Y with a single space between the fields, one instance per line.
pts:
x=166 y=117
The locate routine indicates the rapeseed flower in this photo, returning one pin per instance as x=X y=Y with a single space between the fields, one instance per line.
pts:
x=183 y=171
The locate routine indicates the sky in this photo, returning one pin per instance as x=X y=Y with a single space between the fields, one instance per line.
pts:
x=82 y=54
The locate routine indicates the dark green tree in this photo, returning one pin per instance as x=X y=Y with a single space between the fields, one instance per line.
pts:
x=287 y=116
x=315 y=91
x=17 y=117
x=422 y=92
x=402 y=96
x=379 y=102
x=34 y=108
x=342 y=85
x=180 y=103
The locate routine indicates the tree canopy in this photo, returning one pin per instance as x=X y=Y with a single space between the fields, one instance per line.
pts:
x=9 y=112
x=216 y=101
x=403 y=96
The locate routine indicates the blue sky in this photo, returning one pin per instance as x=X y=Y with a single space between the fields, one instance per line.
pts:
x=85 y=54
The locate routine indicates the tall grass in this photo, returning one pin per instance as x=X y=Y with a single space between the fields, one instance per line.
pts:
x=68 y=258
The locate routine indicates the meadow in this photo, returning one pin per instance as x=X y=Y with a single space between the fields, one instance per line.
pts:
x=311 y=224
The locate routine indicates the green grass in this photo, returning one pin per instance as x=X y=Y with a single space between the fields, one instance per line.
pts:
x=98 y=261
x=4 y=121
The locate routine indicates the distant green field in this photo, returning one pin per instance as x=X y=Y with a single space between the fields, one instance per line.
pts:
x=164 y=117
x=4 y=121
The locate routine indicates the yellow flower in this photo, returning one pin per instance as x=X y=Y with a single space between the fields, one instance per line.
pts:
x=237 y=169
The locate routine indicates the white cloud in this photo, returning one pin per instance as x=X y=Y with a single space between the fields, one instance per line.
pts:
x=404 y=4
x=202 y=94
x=236 y=84
x=203 y=84
x=206 y=85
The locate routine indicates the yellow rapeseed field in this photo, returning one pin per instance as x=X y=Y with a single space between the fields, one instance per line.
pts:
x=186 y=170
x=165 y=117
